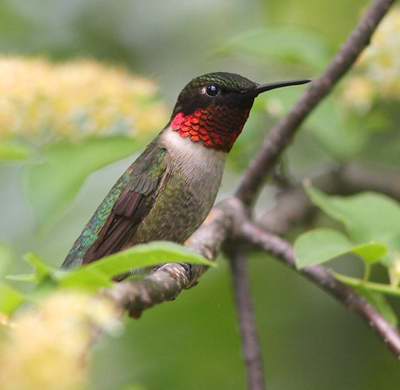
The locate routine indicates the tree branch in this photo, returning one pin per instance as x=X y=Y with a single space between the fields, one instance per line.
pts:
x=355 y=178
x=320 y=276
x=248 y=328
x=168 y=281
x=282 y=134
x=230 y=220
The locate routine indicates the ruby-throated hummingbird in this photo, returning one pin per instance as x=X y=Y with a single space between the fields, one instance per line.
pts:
x=170 y=188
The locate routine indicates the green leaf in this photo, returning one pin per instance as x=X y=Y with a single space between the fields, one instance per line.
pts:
x=381 y=304
x=11 y=151
x=371 y=252
x=367 y=216
x=25 y=278
x=85 y=279
x=42 y=270
x=386 y=289
x=53 y=184
x=43 y=275
x=99 y=273
x=10 y=299
x=320 y=245
x=283 y=44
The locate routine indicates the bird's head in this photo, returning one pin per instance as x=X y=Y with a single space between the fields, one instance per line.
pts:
x=213 y=108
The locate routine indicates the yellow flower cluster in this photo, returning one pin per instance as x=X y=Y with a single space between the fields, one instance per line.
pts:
x=46 y=347
x=378 y=70
x=74 y=99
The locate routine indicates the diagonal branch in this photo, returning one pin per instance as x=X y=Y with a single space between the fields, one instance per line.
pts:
x=230 y=220
x=168 y=281
x=282 y=134
x=320 y=276
x=248 y=327
x=228 y=217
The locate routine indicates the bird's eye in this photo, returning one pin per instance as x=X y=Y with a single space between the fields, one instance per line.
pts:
x=212 y=90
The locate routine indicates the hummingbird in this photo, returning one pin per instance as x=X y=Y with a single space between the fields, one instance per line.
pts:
x=168 y=191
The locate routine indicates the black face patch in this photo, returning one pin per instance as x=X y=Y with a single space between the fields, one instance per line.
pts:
x=218 y=88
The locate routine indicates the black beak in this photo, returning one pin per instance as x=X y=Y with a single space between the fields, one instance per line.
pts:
x=267 y=87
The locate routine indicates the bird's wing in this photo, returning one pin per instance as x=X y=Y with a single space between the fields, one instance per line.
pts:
x=111 y=228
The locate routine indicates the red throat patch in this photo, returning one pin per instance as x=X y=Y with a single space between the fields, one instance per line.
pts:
x=215 y=127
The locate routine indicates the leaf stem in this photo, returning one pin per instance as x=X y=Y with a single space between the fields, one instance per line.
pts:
x=367 y=271
x=377 y=287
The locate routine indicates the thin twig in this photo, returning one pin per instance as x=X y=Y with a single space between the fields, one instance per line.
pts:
x=356 y=178
x=324 y=279
x=282 y=134
x=248 y=328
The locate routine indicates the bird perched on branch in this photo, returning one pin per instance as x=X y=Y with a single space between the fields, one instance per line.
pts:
x=170 y=188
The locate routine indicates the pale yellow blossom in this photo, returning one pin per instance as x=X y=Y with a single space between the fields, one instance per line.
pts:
x=377 y=73
x=359 y=93
x=47 y=346
x=4 y=320
x=74 y=99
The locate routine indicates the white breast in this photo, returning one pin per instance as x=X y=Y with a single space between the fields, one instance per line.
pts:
x=197 y=162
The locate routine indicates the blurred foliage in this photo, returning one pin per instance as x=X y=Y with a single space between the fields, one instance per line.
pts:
x=11 y=151
x=10 y=300
x=6 y=257
x=98 y=275
x=71 y=119
x=60 y=122
x=53 y=182
x=357 y=213
x=377 y=74
x=372 y=224
x=49 y=340
x=48 y=343
x=287 y=46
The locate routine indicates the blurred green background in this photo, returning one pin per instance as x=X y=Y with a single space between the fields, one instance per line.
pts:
x=309 y=341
